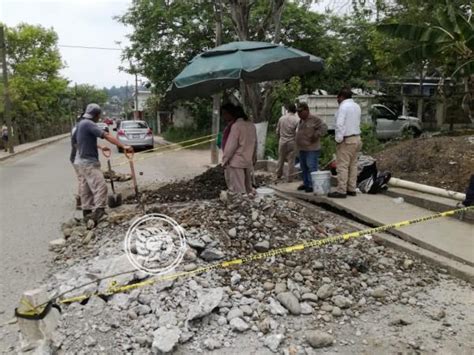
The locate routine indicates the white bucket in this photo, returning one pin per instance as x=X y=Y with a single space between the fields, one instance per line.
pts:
x=265 y=191
x=321 y=182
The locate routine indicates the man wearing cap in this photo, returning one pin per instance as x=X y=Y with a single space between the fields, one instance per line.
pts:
x=348 y=144
x=72 y=159
x=93 y=188
x=286 y=131
x=308 y=142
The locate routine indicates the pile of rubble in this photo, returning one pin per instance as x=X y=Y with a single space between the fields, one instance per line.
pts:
x=292 y=304
x=206 y=186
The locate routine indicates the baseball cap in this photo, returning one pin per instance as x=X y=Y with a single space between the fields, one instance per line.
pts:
x=92 y=110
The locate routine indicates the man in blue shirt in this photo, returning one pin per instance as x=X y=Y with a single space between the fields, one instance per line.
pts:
x=93 y=186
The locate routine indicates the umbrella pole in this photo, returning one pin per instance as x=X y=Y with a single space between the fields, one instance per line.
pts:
x=216 y=103
x=216 y=99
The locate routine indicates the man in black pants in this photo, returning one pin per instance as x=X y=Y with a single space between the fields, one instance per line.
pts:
x=469 y=201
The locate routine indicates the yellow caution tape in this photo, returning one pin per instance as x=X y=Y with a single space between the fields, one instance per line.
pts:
x=163 y=152
x=165 y=147
x=271 y=253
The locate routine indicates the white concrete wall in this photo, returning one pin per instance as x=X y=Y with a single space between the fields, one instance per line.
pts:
x=325 y=106
x=182 y=118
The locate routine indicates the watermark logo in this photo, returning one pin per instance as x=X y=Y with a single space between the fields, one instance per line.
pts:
x=155 y=244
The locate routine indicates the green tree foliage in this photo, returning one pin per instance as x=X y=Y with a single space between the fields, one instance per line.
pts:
x=445 y=41
x=85 y=94
x=36 y=87
x=166 y=35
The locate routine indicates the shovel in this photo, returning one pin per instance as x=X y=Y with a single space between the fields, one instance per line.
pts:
x=129 y=155
x=115 y=199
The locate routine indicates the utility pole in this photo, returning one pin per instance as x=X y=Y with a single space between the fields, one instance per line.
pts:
x=158 y=123
x=136 y=97
x=125 y=106
x=6 y=95
x=216 y=99
x=76 y=100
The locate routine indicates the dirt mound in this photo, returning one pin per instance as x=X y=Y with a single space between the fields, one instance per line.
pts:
x=446 y=162
x=206 y=186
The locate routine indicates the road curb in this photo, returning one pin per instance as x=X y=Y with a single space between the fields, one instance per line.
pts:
x=453 y=267
x=42 y=144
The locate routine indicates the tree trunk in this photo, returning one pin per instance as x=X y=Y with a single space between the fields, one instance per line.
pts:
x=468 y=99
x=257 y=103
x=216 y=99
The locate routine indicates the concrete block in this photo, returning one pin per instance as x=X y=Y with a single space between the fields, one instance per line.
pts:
x=36 y=332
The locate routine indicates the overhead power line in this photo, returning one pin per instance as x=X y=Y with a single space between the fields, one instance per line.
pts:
x=87 y=47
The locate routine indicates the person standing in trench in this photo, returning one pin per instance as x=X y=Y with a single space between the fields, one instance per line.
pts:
x=240 y=149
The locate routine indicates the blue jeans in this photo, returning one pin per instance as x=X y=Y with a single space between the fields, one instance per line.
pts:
x=309 y=163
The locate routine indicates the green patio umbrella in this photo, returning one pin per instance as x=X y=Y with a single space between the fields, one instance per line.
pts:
x=225 y=66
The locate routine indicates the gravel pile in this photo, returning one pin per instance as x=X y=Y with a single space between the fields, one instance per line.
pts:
x=206 y=186
x=295 y=304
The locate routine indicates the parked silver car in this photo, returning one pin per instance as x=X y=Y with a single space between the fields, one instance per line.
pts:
x=136 y=134
x=388 y=125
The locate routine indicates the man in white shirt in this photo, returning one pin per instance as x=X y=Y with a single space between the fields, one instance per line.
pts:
x=348 y=144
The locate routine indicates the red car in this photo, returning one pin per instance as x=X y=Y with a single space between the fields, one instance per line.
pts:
x=108 y=121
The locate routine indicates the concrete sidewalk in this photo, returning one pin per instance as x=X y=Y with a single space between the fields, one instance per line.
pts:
x=445 y=236
x=23 y=148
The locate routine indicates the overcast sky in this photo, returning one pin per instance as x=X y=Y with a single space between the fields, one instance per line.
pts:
x=79 y=23
x=88 y=23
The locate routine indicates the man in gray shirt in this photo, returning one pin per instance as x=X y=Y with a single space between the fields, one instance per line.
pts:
x=93 y=187
x=286 y=132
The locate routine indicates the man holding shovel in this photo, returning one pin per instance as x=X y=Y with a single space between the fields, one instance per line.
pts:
x=94 y=187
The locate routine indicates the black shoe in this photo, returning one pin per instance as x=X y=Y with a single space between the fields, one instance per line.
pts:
x=336 y=195
x=87 y=214
x=308 y=189
x=351 y=193
x=98 y=214
x=301 y=188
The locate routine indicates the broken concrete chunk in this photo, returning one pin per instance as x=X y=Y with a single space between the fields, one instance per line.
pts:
x=206 y=303
x=263 y=246
x=379 y=292
x=165 y=339
x=325 y=291
x=211 y=254
x=273 y=341
x=276 y=308
x=211 y=344
x=341 y=301
x=234 y=313
x=196 y=244
x=319 y=339
x=290 y=302
x=238 y=324
x=311 y=297
x=57 y=243
x=232 y=232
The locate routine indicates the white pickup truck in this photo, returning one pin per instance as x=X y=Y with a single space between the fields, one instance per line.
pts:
x=388 y=125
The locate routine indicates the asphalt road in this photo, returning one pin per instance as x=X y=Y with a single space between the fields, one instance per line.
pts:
x=36 y=196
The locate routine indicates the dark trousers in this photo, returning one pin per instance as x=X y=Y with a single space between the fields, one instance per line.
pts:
x=309 y=163
x=469 y=201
